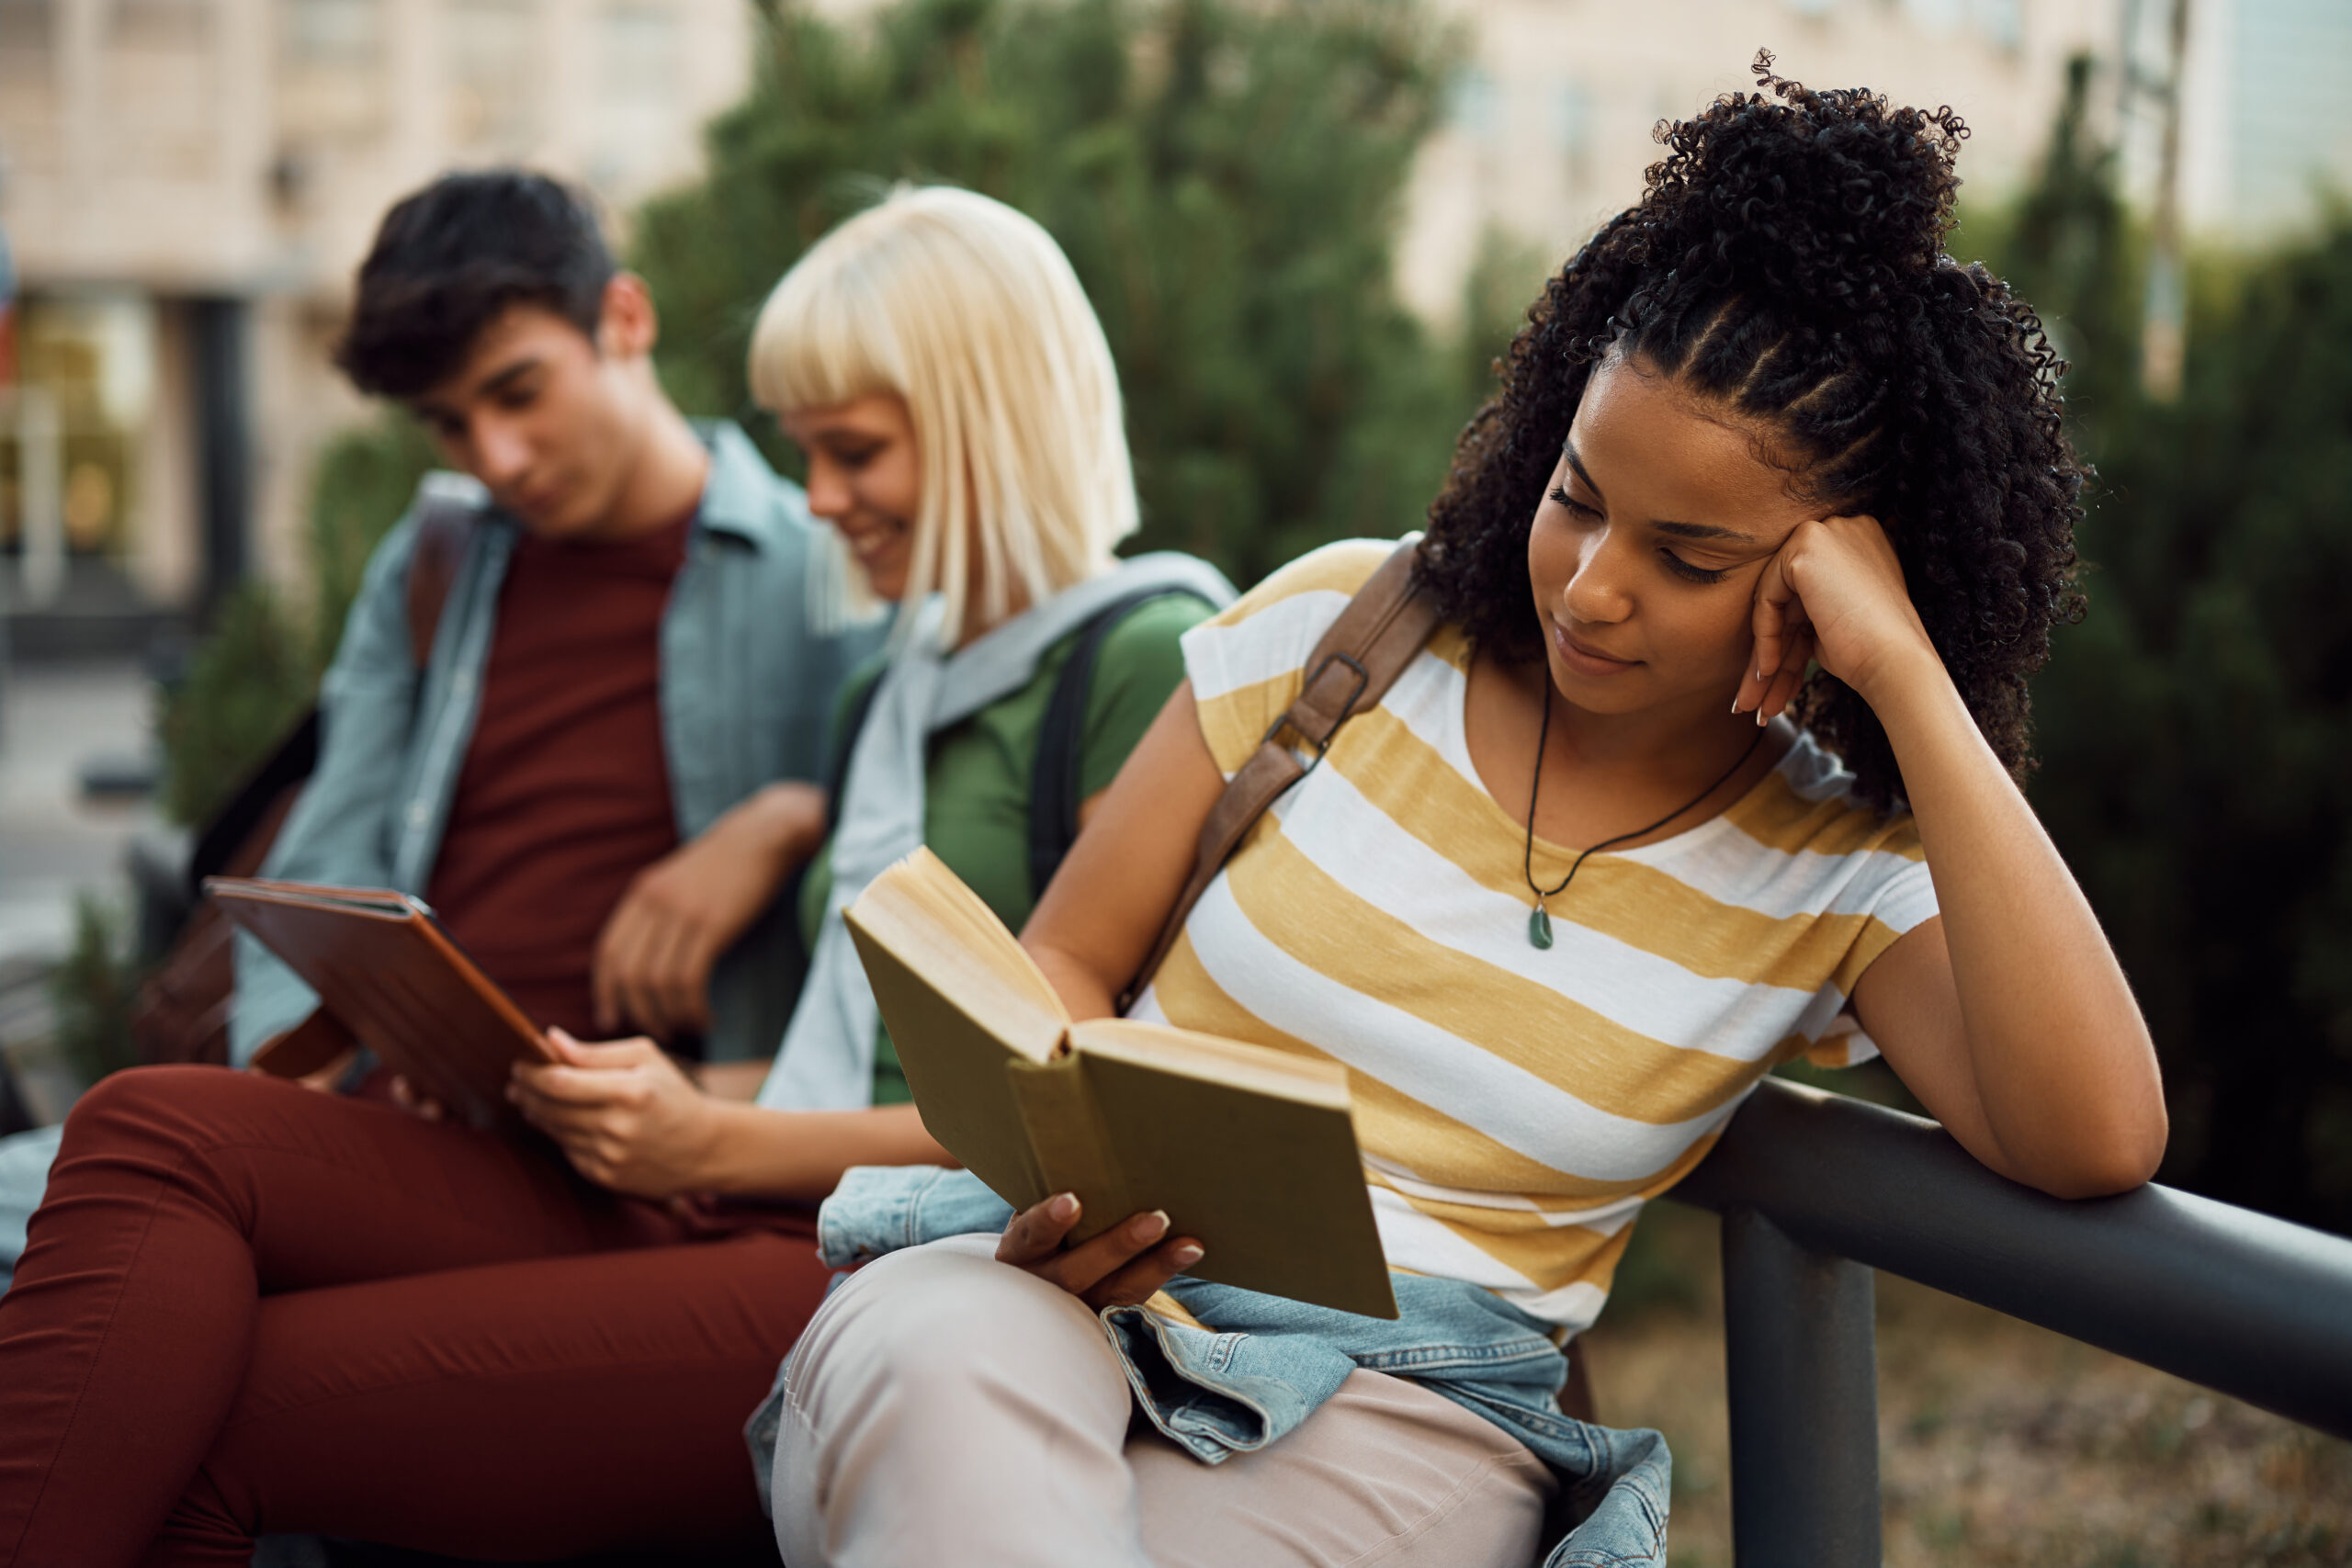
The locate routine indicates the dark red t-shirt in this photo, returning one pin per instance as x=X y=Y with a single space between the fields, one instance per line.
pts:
x=565 y=791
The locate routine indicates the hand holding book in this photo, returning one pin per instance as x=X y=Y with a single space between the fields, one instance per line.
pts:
x=1248 y=1152
x=1122 y=1267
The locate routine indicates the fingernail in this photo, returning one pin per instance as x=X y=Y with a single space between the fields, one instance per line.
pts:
x=1063 y=1206
x=1734 y=702
x=1185 y=1256
x=1760 y=717
x=1151 y=1226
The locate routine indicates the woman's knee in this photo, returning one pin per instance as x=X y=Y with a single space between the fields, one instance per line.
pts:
x=935 y=1317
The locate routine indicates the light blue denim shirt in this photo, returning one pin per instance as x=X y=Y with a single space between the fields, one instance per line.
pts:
x=748 y=678
x=1270 y=1363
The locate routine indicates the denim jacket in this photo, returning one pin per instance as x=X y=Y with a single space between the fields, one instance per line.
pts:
x=1270 y=1363
x=748 y=678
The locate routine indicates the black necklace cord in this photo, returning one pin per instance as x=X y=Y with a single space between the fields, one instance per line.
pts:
x=1543 y=738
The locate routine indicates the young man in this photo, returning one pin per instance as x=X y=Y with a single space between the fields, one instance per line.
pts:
x=601 y=775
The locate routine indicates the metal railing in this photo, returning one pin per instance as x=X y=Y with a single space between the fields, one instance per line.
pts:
x=1815 y=1189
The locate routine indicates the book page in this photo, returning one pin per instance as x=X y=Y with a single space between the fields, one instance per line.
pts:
x=377 y=901
x=1307 y=1079
x=920 y=907
x=963 y=1004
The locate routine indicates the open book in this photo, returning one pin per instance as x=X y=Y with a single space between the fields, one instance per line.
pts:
x=1251 y=1151
x=389 y=976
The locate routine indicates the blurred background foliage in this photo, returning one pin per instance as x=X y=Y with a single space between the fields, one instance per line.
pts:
x=93 y=991
x=2196 y=728
x=1226 y=179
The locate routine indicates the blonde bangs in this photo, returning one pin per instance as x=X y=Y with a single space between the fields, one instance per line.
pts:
x=823 y=338
x=968 y=310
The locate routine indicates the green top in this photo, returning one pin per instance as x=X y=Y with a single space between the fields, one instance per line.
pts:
x=975 y=781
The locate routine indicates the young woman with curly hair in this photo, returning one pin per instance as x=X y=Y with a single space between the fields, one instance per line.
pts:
x=1710 y=764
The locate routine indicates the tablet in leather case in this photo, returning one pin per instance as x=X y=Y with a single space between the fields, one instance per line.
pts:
x=386 y=973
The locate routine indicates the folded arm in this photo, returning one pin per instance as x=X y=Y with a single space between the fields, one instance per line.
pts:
x=2008 y=1016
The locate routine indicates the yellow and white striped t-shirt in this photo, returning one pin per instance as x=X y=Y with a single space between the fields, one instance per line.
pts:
x=1516 y=1106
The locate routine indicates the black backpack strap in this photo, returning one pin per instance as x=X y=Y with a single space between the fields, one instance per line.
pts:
x=1054 y=781
x=860 y=706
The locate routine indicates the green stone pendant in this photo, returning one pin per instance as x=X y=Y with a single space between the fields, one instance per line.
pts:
x=1539 y=928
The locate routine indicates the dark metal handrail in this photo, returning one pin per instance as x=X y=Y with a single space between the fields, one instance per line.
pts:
x=1814 y=1186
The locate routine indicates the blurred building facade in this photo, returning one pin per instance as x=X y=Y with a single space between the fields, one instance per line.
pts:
x=188 y=184
x=1553 y=120
x=2267 y=122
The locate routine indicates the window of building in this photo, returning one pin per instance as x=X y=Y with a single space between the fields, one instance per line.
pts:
x=494 y=77
x=1572 y=123
x=69 y=444
x=160 y=87
x=159 y=24
x=335 y=32
x=640 y=113
x=29 y=84
x=27 y=35
x=332 y=78
x=1935 y=17
x=2002 y=21
x=1477 y=104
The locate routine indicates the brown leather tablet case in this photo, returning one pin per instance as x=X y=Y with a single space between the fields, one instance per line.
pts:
x=386 y=973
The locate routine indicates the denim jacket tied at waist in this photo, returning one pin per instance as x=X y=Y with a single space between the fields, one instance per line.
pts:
x=1269 y=1362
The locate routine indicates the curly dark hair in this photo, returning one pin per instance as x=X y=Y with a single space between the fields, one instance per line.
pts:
x=1786 y=262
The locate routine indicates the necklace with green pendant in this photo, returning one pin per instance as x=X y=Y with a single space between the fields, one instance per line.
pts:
x=1539 y=924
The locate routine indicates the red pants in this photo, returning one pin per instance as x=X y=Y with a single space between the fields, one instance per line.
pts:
x=248 y=1307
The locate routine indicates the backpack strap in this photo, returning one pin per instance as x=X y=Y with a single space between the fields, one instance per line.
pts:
x=859 y=707
x=1054 y=780
x=1376 y=637
x=445 y=525
x=237 y=835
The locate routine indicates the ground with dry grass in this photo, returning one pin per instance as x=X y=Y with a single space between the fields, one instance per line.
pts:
x=2000 y=1444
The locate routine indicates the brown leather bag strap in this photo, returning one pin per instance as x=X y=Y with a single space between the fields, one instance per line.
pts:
x=444 y=527
x=1379 y=634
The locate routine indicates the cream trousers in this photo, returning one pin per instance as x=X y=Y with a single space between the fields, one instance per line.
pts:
x=945 y=1409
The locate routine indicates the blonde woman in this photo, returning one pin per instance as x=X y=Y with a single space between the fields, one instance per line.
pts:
x=379 y=1326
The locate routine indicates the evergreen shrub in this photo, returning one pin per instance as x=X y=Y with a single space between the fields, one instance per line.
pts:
x=1227 y=179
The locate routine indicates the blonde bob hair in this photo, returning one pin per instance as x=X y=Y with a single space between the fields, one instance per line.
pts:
x=968 y=310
